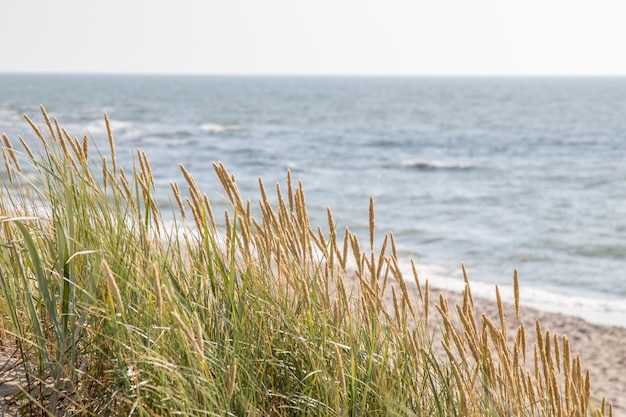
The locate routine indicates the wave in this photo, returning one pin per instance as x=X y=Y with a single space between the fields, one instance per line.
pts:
x=119 y=128
x=175 y=134
x=215 y=128
x=9 y=116
x=424 y=165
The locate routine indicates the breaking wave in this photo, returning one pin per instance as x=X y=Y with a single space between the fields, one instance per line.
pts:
x=215 y=128
x=119 y=128
x=425 y=165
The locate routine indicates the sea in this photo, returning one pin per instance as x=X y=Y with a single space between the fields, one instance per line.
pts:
x=493 y=173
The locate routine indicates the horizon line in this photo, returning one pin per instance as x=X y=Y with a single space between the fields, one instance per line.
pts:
x=308 y=75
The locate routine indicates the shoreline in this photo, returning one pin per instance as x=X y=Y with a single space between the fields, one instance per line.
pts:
x=594 y=309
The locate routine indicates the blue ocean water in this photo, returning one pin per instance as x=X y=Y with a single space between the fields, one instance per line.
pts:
x=498 y=173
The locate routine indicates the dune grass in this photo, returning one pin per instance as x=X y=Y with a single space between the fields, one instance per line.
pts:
x=106 y=310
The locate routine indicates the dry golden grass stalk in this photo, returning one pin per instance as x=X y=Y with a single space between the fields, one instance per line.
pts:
x=5 y=157
x=382 y=259
x=48 y=124
x=290 y=190
x=557 y=353
x=372 y=223
x=340 y=368
x=60 y=135
x=587 y=392
x=209 y=211
x=125 y=185
x=194 y=190
x=405 y=292
x=343 y=256
x=11 y=152
x=227 y=226
x=156 y=284
x=501 y=311
x=417 y=281
x=522 y=332
x=468 y=288
x=470 y=335
x=463 y=388
x=145 y=167
x=68 y=155
x=85 y=147
x=111 y=144
x=230 y=186
x=37 y=131
x=516 y=292
x=197 y=216
x=179 y=201
x=29 y=152
x=231 y=378
x=396 y=306
x=65 y=139
x=105 y=174
x=115 y=290
x=394 y=249
x=123 y=192
x=426 y=302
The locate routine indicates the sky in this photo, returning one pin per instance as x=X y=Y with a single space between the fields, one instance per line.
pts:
x=315 y=37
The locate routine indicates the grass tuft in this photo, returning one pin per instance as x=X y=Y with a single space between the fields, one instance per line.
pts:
x=114 y=313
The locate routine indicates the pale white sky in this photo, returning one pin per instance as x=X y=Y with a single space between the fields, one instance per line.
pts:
x=351 y=37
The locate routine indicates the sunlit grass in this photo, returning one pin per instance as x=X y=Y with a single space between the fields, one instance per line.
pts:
x=107 y=310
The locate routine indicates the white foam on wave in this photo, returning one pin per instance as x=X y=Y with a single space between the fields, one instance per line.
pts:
x=423 y=164
x=217 y=128
x=9 y=117
x=119 y=128
x=592 y=308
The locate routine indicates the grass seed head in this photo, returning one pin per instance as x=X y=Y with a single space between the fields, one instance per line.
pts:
x=113 y=287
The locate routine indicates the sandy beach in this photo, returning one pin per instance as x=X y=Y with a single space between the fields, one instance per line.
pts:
x=602 y=348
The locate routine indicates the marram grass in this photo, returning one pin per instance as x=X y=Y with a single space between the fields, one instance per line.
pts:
x=105 y=310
